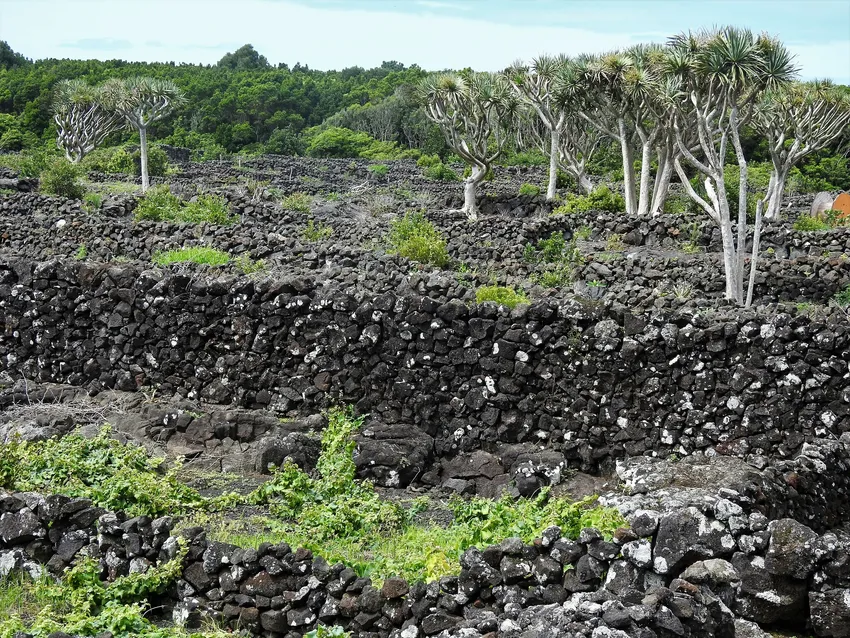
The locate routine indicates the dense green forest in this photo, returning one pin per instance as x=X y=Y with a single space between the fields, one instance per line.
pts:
x=242 y=103
x=245 y=105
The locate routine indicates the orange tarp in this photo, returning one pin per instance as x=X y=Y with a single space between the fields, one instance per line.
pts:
x=842 y=204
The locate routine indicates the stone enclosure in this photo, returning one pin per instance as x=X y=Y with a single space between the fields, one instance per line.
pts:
x=621 y=379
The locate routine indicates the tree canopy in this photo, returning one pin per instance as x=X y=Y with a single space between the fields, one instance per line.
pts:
x=240 y=104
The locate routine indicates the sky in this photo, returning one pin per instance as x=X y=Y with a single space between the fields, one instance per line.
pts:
x=435 y=34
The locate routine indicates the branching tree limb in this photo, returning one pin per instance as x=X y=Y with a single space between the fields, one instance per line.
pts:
x=84 y=117
x=141 y=101
x=721 y=75
x=476 y=112
x=797 y=121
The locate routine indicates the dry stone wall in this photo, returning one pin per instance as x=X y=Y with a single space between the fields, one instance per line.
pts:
x=707 y=567
x=591 y=381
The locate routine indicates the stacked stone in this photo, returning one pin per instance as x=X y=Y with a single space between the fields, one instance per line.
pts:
x=690 y=571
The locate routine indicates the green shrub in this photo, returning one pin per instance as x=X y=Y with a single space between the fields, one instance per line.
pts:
x=525 y=158
x=559 y=258
x=529 y=189
x=63 y=179
x=842 y=297
x=117 y=159
x=345 y=520
x=248 y=266
x=439 y=172
x=600 y=199
x=112 y=475
x=677 y=204
x=206 y=208
x=808 y=223
x=202 y=255
x=92 y=201
x=334 y=505
x=501 y=295
x=317 y=232
x=416 y=238
x=820 y=173
x=378 y=169
x=489 y=176
x=583 y=233
x=330 y=512
x=114 y=159
x=554 y=249
x=614 y=242
x=607 y=162
x=160 y=204
x=555 y=276
x=83 y=604
x=565 y=181
x=30 y=163
x=428 y=160
x=298 y=202
x=158 y=165
x=340 y=142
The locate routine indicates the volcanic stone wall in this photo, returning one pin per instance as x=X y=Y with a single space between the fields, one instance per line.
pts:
x=589 y=380
x=688 y=571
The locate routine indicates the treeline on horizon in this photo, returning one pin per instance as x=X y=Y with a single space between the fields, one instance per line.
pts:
x=244 y=105
x=241 y=104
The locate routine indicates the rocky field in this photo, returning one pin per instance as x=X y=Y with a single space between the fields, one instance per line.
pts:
x=542 y=423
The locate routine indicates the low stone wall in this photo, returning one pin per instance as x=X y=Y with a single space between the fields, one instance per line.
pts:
x=590 y=381
x=644 y=279
x=696 y=569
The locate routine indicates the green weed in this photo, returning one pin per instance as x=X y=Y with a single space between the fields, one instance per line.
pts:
x=248 y=266
x=298 y=202
x=317 y=232
x=112 y=475
x=202 y=255
x=160 y=204
x=600 y=199
x=416 y=238
x=502 y=295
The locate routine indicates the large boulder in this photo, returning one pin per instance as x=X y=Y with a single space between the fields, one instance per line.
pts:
x=831 y=613
x=687 y=535
x=792 y=549
x=766 y=598
x=274 y=450
x=392 y=455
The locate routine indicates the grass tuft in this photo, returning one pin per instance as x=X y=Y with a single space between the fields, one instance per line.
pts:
x=202 y=255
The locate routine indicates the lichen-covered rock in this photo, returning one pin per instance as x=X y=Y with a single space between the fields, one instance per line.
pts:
x=688 y=535
x=831 y=612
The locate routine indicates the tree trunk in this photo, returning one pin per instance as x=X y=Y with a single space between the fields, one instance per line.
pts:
x=645 y=160
x=554 y=155
x=470 y=192
x=774 y=204
x=628 y=168
x=742 y=201
x=662 y=180
x=143 y=146
x=584 y=183
x=755 y=256
x=729 y=257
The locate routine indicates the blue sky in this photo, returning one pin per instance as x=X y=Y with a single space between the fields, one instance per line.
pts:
x=436 y=34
